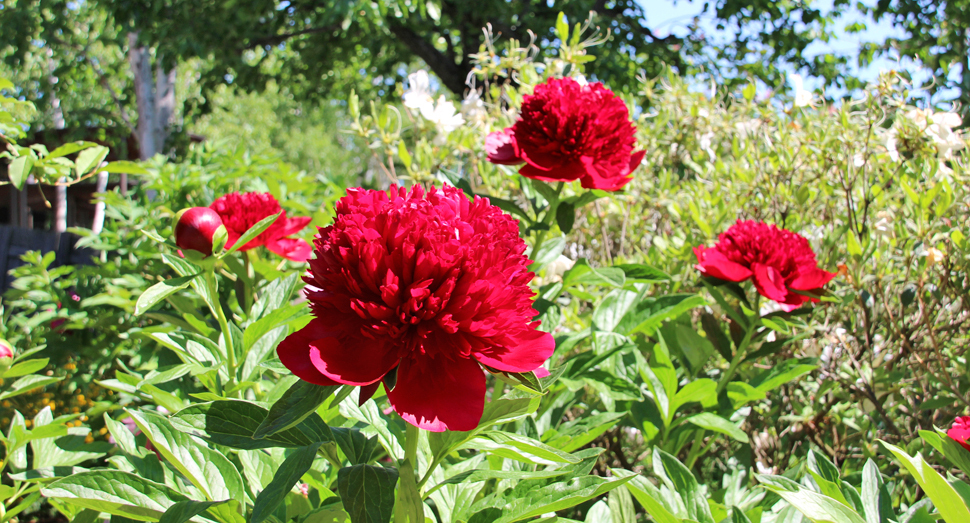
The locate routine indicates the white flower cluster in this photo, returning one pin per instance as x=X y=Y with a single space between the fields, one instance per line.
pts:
x=420 y=96
x=938 y=127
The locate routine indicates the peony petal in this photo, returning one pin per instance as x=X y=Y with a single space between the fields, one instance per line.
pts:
x=811 y=279
x=359 y=362
x=290 y=226
x=770 y=283
x=715 y=264
x=294 y=353
x=291 y=248
x=523 y=353
x=500 y=147
x=635 y=160
x=439 y=394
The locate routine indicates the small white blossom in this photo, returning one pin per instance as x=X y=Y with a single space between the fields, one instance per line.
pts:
x=803 y=98
x=443 y=115
x=473 y=108
x=883 y=228
x=419 y=94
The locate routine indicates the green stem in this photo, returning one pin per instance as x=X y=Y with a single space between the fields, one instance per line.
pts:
x=547 y=219
x=216 y=308
x=742 y=348
x=409 y=507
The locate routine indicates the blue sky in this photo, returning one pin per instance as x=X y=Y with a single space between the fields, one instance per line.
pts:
x=674 y=16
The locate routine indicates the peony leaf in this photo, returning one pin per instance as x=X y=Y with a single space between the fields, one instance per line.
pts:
x=251 y=233
x=877 y=503
x=115 y=492
x=358 y=448
x=367 y=492
x=160 y=291
x=549 y=498
x=183 y=511
x=27 y=384
x=19 y=169
x=815 y=506
x=207 y=469
x=297 y=403
x=684 y=483
x=23 y=368
x=945 y=498
x=292 y=469
x=233 y=423
x=565 y=217
x=650 y=498
x=89 y=158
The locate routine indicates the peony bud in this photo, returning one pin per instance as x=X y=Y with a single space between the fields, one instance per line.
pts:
x=195 y=229
x=6 y=355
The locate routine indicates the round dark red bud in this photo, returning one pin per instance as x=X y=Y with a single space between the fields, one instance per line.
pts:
x=195 y=227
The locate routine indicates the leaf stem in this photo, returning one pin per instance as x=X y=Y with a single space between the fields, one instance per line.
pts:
x=216 y=307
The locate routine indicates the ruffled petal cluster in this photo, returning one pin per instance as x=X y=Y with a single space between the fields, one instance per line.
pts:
x=418 y=290
x=240 y=211
x=778 y=261
x=569 y=131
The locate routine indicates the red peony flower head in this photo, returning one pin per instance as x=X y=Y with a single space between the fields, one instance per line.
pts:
x=195 y=227
x=960 y=431
x=778 y=261
x=418 y=290
x=240 y=211
x=567 y=131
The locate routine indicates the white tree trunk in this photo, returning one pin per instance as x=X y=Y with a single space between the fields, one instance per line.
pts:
x=101 y=187
x=164 y=102
x=60 y=191
x=141 y=67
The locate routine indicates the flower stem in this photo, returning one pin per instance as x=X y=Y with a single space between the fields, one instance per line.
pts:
x=409 y=508
x=547 y=219
x=216 y=308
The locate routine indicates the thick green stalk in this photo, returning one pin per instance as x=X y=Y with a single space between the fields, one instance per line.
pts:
x=216 y=308
x=409 y=508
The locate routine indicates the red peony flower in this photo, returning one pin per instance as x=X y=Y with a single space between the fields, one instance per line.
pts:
x=240 y=211
x=960 y=431
x=567 y=131
x=418 y=290
x=195 y=227
x=778 y=261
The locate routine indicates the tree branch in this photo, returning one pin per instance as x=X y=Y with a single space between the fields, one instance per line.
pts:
x=452 y=75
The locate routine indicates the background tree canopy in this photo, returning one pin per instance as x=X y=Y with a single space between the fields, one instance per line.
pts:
x=73 y=59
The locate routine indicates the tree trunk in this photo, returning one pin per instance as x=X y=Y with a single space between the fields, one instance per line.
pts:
x=141 y=67
x=60 y=190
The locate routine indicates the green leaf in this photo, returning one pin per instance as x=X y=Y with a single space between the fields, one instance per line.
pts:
x=530 y=502
x=711 y=421
x=89 y=159
x=69 y=148
x=296 y=404
x=815 y=506
x=562 y=28
x=207 y=469
x=684 y=483
x=115 y=492
x=548 y=252
x=252 y=233
x=358 y=448
x=292 y=469
x=367 y=492
x=947 y=501
x=649 y=496
x=582 y=273
x=160 y=291
x=952 y=450
x=565 y=217
x=125 y=167
x=476 y=475
x=183 y=511
x=19 y=169
x=876 y=501
x=233 y=423
x=643 y=273
x=522 y=448
x=24 y=367
x=783 y=373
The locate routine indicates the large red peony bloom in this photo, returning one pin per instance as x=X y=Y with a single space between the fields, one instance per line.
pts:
x=778 y=261
x=240 y=211
x=567 y=131
x=960 y=431
x=418 y=290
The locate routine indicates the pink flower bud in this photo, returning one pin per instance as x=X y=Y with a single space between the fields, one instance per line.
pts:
x=195 y=228
x=6 y=355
